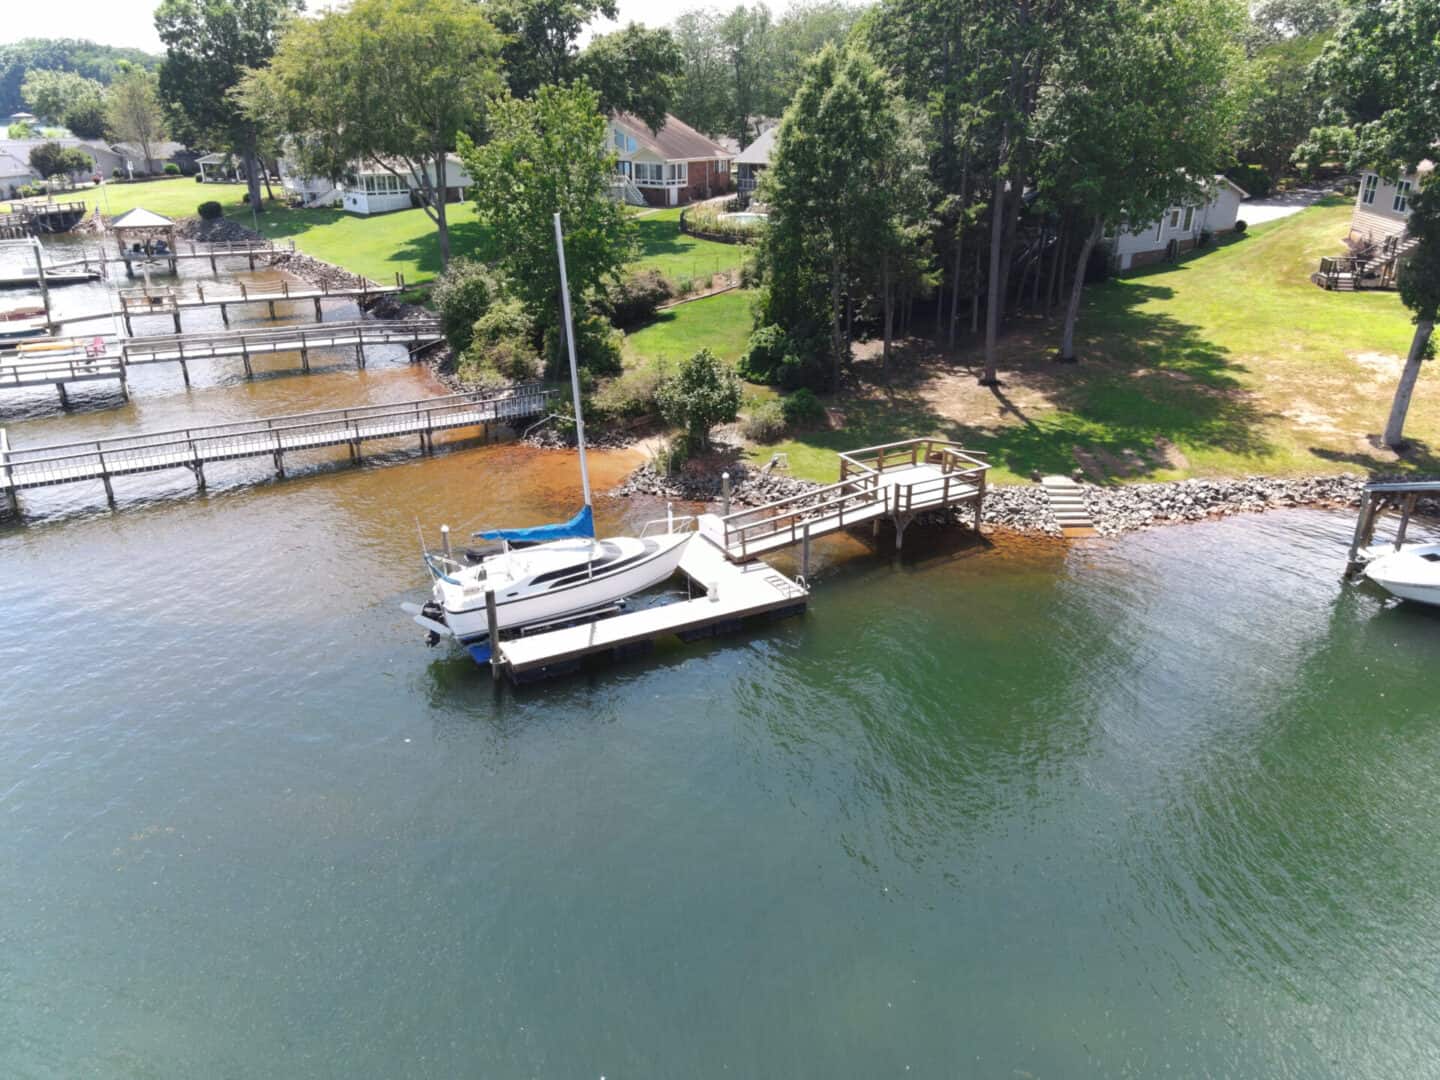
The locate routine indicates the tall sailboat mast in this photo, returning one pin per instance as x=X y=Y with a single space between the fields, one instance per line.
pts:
x=574 y=370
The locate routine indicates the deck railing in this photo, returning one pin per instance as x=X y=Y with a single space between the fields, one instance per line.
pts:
x=789 y=516
x=907 y=453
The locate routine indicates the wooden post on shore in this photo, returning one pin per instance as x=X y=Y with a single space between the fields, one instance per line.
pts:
x=725 y=494
x=1407 y=508
x=318 y=316
x=272 y=308
x=224 y=314
x=492 y=621
x=176 y=314
x=64 y=397
x=12 y=500
x=184 y=370
x=245 y=358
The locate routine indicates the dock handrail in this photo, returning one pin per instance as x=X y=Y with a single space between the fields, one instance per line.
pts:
x=909 y=452
x=790 y=514
x=291 y=423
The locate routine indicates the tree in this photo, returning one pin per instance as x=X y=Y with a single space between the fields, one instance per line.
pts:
x=831 y=208
x=548 y=154
x=134 y=114
x=1278 y=19
x=391 y=83
x=209 y=47
x=703 y=392
x=633 y=70
x=745 y=33
x=1279 y=104
x=702 y=90
x=1380 y=69
x=1139 y=120
x=51 y=159
x=74 y=100
x=99 y=62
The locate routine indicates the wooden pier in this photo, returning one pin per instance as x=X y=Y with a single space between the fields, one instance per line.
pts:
x=730 y=594
x=34 y=219
x=897 y=481
x=172 y=256
x=172 y=301
x=1376 y=501
x=108 y=358
x=270 y=437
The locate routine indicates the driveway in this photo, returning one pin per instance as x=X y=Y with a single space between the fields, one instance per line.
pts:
x=1274 y=207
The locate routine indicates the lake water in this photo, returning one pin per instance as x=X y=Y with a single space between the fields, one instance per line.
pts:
x=1159 y=805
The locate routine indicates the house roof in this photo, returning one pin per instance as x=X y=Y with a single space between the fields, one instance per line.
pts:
x=758 y=152
x=212 y=159
x=140 y=218
x=675 y=141
x=158 y=151
x=10 y=165
x=1226 y=180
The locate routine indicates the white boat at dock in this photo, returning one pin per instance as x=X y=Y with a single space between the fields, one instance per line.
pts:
x=1408 y=571
x=1412 y=573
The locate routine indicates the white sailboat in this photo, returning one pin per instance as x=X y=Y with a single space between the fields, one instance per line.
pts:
x=548 y=573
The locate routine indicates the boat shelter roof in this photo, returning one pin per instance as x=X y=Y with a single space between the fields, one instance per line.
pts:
x=140 y=218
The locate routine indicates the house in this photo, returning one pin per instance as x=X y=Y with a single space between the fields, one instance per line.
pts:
x=753 y=161
x=14 y=174
x=1382 y=207
x=371 y=188
x=669 y=167
x=161 y=154
x=1179 y=228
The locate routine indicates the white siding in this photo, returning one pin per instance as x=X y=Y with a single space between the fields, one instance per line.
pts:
x=1378 y=218
x=1216 y=215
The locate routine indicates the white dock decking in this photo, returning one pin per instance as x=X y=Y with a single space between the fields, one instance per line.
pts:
x=731 y=593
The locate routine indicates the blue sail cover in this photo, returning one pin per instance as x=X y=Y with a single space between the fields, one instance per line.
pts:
x=581 y=525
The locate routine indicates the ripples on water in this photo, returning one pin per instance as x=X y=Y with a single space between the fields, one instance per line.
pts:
x=1123 y=808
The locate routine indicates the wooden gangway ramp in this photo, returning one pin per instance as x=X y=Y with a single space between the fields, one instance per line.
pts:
x=896 y=481
x=108 y=358
x=270 y=437
x=730 y=593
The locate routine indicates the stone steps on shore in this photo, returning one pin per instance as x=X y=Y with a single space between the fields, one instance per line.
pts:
x=1069 y=505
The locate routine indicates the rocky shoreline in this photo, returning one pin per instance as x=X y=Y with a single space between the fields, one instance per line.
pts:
x=1026 y=507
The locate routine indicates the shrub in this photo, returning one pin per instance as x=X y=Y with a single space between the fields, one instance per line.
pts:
x=632 y=394
x=760 y=363
x=597 y=348
x=171 y=169
x=802 y=407
x=765 y=422
x=1240 y=227
x=198 y=178
x=684 y=286
x=702 y=393
x=634 y=301
x=462 y=295
x=210 y=211
x=502 y=341
x=669 y=457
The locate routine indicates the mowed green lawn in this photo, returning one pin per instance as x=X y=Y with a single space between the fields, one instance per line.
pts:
x=1229 y=362
x=178 y=197
x=719 y=323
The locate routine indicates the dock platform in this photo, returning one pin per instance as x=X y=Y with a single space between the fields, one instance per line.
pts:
x=270 y=437
x=171 y=301
x=896 y=481
x=731 y=594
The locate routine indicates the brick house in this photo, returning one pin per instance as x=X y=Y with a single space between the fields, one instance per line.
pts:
x=669 y=167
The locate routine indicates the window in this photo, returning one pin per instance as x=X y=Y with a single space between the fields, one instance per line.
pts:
x=645 y=172
x=678 y=173
x=383 y=184
x=624 y=143
x=723 y=166
x=1367 y=193
x=1189 y=218
x=1402 y=197
x=1174 y=217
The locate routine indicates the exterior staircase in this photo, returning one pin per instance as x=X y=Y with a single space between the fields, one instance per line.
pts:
x=623 y=189
x=1067 y=503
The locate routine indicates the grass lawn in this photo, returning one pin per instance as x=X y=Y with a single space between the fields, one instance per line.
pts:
x=665 y=248
x=177 y=197
x=1228 y=362
x=719 y=323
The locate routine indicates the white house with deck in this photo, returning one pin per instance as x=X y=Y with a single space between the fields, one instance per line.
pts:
x=1382 y=205
x=372 y=188
x=1179 y=228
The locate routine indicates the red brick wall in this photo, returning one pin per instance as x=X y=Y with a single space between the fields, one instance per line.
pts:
x=706 y=181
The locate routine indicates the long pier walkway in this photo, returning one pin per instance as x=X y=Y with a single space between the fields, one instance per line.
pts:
x=896 y=481
x=270 y=437
x=191 y=249
x=109 y=358
x=169 y=300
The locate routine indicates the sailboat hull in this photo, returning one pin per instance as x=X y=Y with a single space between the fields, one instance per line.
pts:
x=620 y=567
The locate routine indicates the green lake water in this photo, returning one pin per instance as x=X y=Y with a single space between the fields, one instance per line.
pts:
x=1159 y=806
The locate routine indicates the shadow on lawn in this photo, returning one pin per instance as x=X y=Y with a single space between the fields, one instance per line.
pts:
x=1145 y=382
x=466 y=238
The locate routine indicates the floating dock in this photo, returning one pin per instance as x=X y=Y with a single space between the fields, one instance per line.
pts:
x=271 y=437
x=730 y=594
x=896 y=481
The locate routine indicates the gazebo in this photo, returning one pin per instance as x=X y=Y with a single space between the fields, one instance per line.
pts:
x=143 y=235
x=221 y=168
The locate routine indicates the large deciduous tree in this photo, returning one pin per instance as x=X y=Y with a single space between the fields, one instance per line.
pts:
x=547 y=154
x=633 y=70
x=134 y=114
x=69 y=98
x=209 y=47
x=386 y=83
x=1138 y=118
x=1382 y=74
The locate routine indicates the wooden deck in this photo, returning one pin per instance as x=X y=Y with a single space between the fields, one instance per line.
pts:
x=731 y=593
x=171 y=301
x=895 y=481
x=271 y=437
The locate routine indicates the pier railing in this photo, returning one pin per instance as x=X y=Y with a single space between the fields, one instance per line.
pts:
x=908 y=453
x=61 y=462
x=856 y=498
